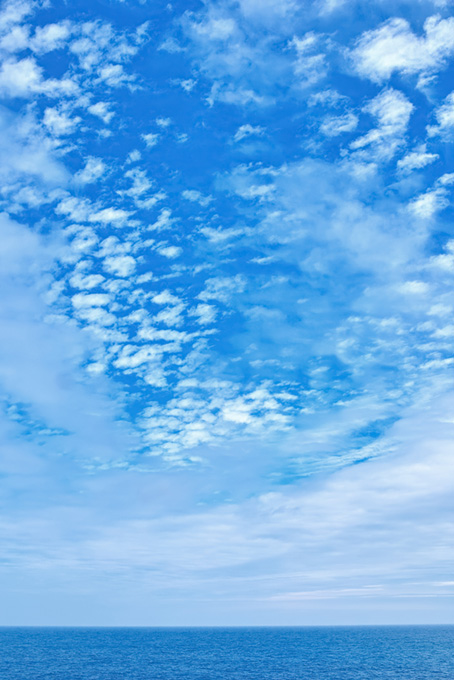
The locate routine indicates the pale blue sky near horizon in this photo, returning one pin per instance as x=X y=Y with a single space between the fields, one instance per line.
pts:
x=226 y=321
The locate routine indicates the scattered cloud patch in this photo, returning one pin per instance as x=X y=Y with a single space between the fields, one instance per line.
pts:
x=416 y=160
x=336 y=125
x=392 y=110
x=171 y=252
x=394 y=47
x=150 y=139
x=247 y=130
x=94 y=169
x=196 y=197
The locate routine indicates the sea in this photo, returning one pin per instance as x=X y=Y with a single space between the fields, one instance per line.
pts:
x=337 y=653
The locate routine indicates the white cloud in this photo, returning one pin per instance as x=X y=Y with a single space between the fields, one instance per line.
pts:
x=102 y=52
x=414 y=288
x=196 y=197
x=223 y=236
x=239 y=96
x=20 y=78
x=445 y=261
x=328 y=97
x=112 y=245
x=114 y=216
x=25 y=78
x=25 y=152
x=238 y=64
x=84 y=240
x=247 y=130
x=311 y=65
x=15 y=40
x=50 y=37
x=344 y=259
x=268 y=11
x=40 y=347
x=101 y=110
x=428 y=204
x=86 y=282
x=81 y=300
x=392 y=110
x=164 y=221
x=120 y=265
x=434 y=200
x=13 y=12
x=76 y=208
x=134 y=156
x=170 y=45
x=96 y=315
x=163 y=122
x=147 y=332
x=336 y=125
x=93 y=170
x=114 y=75
x=170 y=316
x=132 y=357
x=215 y=28
x=165 y=297
x=58 y=122
x=394 y=47
x=445 y=117
x=150 y=139
x=446 y=180
x=170 y=252
x=223 y=288
x=141 y=186
x=416 y=160
x=188 y=84
x=206 y=314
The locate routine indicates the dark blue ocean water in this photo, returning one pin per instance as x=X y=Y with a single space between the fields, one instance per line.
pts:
x=353 y=653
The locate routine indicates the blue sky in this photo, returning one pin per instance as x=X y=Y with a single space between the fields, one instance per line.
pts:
x=226 y=338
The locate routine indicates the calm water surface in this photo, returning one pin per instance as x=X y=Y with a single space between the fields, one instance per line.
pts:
x=382 y=653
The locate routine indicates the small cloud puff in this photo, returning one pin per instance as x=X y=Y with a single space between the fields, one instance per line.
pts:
x=165 y=297
x=311 y=65
x=428 y=204
x=114 y=216
x=170 y=45
x=196 y=197
x=416 y=160
x=86 y=282
x=81 y=300
x=206 y=314
x=133 y=156
x=445 y=118
x=171 y=252
x=248 y=130
x=150 y=139
x=120 y=265
x=392 y=110
x=163 y=122
x=93 y=170
x=336 y=125
x=223 y=288
x=188 y=84
x=101 y=110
